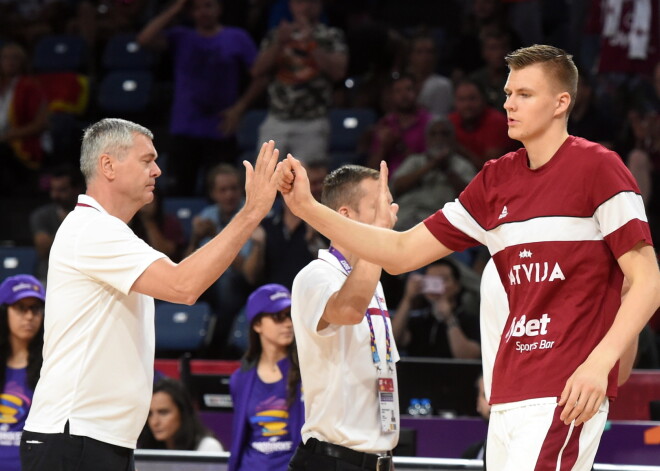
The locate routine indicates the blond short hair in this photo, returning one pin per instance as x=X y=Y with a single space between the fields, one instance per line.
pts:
x=557 y=62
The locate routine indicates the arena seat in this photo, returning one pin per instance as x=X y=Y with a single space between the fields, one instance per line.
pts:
x=60 y=53
x=16 y=261
x=184 y=208
x=122 y=52
x=182 y=328
x=125 y=92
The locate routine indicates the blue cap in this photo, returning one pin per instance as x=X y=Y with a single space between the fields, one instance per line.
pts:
x=15 y=288
x=267 y=298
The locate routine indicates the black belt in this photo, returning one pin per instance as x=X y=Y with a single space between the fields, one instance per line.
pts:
x=357 y=458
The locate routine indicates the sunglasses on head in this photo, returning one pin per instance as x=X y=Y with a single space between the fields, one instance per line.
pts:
x=279 y=316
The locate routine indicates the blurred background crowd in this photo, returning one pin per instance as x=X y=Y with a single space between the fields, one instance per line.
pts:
x=416 y=83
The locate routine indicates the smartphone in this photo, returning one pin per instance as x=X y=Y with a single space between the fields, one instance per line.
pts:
x=433 y=285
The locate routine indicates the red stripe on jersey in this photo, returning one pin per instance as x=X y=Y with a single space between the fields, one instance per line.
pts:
x=561 y=446
x=627 y=236
x=374 y=311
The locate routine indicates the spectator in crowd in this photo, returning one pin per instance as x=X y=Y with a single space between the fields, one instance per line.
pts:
x=173 y=422
x=629 y=33
x=266 y=390
x=283 y=244
x=160 y=230
x=21 y=340
x=491 y=78
x=643 y=158
x=98 y=20
x=65 y=185
x=479 y=17
x=426 y=181
x=23 y=119
x=209 y=61
x=587 y=119
x=433 y=318
x=27 y=21
x=228 y=294
x=302 y=60
x=481 y=131
x=435 y=91
x=402 y=131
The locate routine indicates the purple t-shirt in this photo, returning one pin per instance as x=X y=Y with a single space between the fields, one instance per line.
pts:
x=207 y=73
x=15 y=401
x=269 y=444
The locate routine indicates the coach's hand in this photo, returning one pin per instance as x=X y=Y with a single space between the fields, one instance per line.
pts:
x=261 y=181
x=584 y=392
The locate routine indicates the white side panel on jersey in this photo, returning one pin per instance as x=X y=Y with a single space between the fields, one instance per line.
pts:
x=542 y=229
x=620 y=210
x=458 y=216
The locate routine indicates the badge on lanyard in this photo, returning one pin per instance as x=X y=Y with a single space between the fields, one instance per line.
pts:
x=388 y=422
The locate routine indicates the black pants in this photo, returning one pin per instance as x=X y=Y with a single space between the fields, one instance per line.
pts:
x=305 y=459
x=66 y=452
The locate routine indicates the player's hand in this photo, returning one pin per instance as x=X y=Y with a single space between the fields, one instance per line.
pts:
x=285 y=176
x=294 y=185
x=385 y=209
x=584 y=393
x=261 y=181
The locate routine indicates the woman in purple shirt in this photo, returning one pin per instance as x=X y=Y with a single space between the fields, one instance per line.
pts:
x=21 y=340
x=268 y=408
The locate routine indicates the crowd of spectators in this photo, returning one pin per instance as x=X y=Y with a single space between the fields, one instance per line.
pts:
x=431 y=72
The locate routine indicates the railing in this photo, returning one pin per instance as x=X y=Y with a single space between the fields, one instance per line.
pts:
x=164 y=460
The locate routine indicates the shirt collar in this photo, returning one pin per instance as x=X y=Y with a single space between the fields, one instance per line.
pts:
x=89 y=201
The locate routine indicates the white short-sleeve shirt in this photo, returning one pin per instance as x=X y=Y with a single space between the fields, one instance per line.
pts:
x=339 y=377
x=99 y=335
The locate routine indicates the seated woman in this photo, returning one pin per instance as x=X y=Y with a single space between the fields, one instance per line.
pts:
x=268 y=408
x=173 y=423
x=21 y=340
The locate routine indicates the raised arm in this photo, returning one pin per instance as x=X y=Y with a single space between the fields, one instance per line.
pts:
x=396 y=252
x=185 y=282
x=149 y=34
x=588 y=384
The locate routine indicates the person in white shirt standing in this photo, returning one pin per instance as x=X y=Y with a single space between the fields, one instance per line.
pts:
x=345 y=342
x=95 y=389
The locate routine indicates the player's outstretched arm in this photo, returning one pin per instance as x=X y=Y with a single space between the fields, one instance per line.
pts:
x=396 y=252
x=185 y=282
x=585 y=390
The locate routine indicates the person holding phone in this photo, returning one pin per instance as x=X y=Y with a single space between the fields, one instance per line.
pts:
x=433 y=318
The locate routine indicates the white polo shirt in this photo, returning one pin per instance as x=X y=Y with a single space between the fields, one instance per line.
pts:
x=339 y=377
x=99 y=336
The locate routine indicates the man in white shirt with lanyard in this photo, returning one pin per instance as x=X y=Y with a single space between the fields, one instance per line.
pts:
x=94 y=393
x=345 y=343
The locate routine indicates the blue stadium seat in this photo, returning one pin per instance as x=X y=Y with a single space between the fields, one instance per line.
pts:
x=17 y=261
x=183 y=328
x=126 y=92
x=122 y=52
x=347 y=126
x=59 y=53
x=184 y=208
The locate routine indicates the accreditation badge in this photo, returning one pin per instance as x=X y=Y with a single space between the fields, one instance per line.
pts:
x=388 y=422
